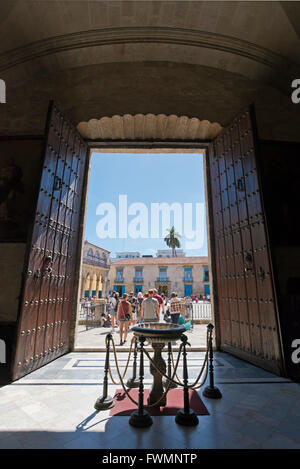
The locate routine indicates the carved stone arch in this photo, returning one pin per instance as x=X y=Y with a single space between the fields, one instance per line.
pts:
x=149 y=126
x=89 y=255
x=87 y=275
x=103 y=257
x=85 y=279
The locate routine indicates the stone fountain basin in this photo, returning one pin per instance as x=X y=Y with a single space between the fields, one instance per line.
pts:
x=156 y=332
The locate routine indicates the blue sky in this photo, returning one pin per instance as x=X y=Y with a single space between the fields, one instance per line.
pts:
x=146 y=179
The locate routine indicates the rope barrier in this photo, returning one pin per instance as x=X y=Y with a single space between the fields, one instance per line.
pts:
x=192 y=386
x=120 y=377
x=169 y=379
x=115 y=355
x=124 y=387
x=180 y=383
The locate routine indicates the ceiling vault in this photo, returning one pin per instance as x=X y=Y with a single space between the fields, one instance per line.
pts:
x=148 y=34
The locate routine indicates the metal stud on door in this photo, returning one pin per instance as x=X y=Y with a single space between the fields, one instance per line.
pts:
x=246 y=293
x=44 y=319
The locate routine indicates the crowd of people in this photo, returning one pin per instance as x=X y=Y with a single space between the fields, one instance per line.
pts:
x=121 y=312
x=132 y=309
x=147 y=307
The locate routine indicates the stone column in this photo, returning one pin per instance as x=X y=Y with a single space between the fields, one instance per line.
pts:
x=106 y=283
x=97 y=287
x=90 y=286
x=157 y=389
x=82 y=286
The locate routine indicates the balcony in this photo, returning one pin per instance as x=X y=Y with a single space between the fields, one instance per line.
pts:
x=138 y=280
x=95 y=262
x=119 y=280
x=162 y=279
x=188 y=279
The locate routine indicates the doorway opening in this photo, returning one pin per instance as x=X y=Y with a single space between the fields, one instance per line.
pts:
x=133 y=198
x=245 y=310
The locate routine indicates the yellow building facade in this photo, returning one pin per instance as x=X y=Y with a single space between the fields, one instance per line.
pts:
x=185 y=275
x=95 y=267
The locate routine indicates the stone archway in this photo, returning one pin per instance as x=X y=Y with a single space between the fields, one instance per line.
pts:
x=91 y=282
x=183 y=131
x=149 y=126
x=85 y=283
x=142 y=128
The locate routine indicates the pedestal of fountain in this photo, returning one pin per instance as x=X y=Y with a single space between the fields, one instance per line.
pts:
x=158 y=334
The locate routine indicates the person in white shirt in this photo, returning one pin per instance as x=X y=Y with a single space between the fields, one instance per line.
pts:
x=150 y=309
x=113 y=301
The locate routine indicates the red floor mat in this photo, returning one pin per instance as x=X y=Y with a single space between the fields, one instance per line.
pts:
x=124 y=406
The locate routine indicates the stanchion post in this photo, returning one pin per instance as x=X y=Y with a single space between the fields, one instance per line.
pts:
x=166 y=382
x=105 y=402
x=211 y=391
x=140 y=417
x=186 y=416
x=133 y=382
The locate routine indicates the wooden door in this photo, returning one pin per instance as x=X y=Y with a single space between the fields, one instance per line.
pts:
x=44 y=319
x=247 y=307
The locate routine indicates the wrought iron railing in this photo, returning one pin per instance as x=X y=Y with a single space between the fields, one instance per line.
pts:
x=202 y=310
x=96 y=262
x=188 y=280
x=91 y=315
x=197 y=311
x=138 y=280
x=119 y=280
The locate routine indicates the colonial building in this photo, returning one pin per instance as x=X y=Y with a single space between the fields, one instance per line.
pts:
x=185 y=275
x=95 y=266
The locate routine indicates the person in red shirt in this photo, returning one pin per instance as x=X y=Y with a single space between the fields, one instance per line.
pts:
x=160 y=302
x=124 y=315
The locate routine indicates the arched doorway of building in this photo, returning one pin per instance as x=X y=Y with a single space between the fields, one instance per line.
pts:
x=86 y=286
x=163 y=290
x=246 y=314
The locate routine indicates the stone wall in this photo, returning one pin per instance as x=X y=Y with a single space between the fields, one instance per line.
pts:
x=20 y=165
x=12 y=257
x=21 y=158
x=107 y=89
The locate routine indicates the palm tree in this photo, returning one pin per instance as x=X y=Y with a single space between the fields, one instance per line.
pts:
x=172 y=240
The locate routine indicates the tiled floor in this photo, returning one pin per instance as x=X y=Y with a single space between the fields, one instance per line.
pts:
x=54 y=408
